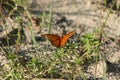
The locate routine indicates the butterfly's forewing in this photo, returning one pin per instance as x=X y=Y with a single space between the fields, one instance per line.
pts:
x=66 y=37
x=53 y=38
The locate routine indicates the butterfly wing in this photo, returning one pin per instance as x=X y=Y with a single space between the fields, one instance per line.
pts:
x=53 y=38
x=66 y=37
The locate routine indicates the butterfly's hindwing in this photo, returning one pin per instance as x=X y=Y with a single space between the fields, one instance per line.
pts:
x=56 y=43
x=54 y=39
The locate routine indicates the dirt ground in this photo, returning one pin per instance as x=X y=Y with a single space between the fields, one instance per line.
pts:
x=87 y=16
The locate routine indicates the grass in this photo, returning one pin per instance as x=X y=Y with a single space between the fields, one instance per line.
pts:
x=66 y=62
x=61 y=63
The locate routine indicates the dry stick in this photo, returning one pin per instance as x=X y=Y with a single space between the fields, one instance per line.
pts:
x=30 y=27
x=51 y=7
x=50 y=17
x=104 y=24
x=101 y=36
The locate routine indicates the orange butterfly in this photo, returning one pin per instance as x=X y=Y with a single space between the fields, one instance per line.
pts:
x=57 y=40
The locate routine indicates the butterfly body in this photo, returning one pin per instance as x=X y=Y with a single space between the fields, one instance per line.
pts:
x=58 y=41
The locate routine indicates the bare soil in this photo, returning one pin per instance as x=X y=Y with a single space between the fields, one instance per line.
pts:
x=85 y=16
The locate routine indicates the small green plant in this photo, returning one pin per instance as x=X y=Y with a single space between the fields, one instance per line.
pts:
x=90 y=45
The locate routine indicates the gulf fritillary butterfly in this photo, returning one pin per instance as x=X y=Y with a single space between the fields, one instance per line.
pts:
x=58 y=41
